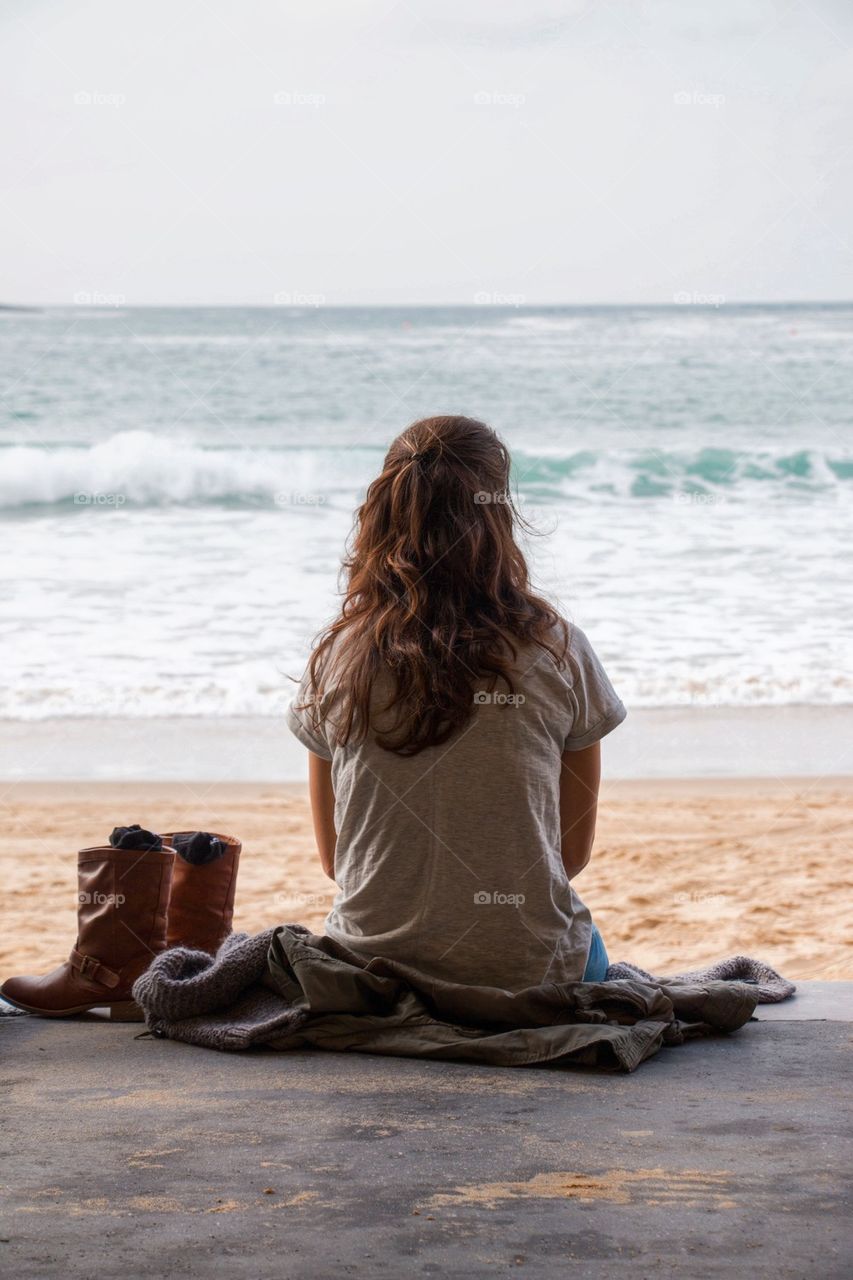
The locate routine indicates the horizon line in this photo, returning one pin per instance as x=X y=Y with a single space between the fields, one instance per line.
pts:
x=674 y=305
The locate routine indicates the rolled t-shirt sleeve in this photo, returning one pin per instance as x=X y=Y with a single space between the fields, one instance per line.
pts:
x=596 y=707
x=304 y=723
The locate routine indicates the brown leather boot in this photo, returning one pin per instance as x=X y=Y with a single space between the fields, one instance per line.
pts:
x=121 y=926
x=201 y=905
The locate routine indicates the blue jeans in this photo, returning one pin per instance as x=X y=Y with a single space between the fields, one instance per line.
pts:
x=596 y=961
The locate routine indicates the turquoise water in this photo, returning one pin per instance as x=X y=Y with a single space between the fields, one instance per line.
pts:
x=176 y=486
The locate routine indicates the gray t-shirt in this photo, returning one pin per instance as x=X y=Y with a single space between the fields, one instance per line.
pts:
x=450 y=860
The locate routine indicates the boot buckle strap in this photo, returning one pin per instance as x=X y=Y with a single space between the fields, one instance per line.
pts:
x=90 y=967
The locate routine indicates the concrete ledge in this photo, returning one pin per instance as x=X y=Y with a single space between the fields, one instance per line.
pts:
x=814 y=1001
x=145 y=1158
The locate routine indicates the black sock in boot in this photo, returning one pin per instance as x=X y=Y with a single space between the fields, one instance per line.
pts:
x=198 y=847
x=134 y=837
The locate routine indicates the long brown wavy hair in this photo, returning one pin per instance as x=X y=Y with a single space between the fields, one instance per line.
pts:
x=437 y=591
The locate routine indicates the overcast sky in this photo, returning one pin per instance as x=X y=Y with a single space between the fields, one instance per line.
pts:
x=360 y=151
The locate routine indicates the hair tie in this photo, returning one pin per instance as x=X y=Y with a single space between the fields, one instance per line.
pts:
x=429 y=454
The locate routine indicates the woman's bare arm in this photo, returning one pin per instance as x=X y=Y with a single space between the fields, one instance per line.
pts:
x=580 y=776
x=323 y=810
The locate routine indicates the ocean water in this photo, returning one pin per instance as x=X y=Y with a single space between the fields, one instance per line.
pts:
x=176 y=487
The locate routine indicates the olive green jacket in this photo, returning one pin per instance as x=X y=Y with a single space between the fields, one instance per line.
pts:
x=287 y=988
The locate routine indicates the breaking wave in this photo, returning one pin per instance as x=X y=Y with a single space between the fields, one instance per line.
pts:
x=139 y=468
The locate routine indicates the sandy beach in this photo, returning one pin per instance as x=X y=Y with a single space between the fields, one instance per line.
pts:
x=684 y=872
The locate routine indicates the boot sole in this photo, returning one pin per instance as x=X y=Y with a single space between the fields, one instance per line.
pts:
x=120 y=1011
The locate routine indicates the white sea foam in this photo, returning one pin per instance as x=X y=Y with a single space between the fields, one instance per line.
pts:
x=147 y=469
